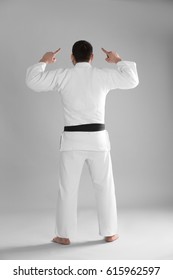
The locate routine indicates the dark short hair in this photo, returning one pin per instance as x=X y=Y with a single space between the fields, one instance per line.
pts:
x=82 y=51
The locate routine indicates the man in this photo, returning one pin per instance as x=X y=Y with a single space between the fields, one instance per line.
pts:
x=83 y=90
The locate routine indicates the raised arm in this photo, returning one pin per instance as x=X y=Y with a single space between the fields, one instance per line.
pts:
x=124 y=75
x=40 y=80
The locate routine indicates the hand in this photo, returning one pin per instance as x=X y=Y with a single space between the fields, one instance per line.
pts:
x=49 y=57
x=112 y=57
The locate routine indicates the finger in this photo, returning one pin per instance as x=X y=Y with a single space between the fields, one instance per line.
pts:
x=56 y=51
x=105 y=51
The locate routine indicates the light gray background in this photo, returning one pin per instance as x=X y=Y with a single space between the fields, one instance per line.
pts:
x=139 y=122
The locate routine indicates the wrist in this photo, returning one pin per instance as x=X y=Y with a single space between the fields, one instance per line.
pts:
x=118 y=60
x=43 y=60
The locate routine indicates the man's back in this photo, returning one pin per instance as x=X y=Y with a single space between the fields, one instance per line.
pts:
x=83 y=88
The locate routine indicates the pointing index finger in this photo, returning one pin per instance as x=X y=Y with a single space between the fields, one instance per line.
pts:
x=105 y=51
x=56 y=51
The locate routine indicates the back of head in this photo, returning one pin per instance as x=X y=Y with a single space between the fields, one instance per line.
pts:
x=82 y=51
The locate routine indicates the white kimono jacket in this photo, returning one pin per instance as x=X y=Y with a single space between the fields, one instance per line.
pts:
x=83 y=91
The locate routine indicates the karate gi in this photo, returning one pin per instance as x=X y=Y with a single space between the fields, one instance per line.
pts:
x=83 y=91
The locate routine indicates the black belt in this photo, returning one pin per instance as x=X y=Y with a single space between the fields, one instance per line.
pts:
x=86 y=127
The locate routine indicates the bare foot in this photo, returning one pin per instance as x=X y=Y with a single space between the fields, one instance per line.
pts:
x=111 y=238
x=60 y=240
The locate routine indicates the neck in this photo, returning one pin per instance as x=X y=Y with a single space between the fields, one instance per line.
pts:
x=74 y=62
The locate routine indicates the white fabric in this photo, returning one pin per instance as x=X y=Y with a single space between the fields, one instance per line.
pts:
x=100 y=166
x=83 y=90
x=82 y=141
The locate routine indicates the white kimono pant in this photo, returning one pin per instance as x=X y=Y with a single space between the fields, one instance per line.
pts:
x=70 y=168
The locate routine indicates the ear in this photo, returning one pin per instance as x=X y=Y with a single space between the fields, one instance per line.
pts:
x=92 y=57
x=73 y=59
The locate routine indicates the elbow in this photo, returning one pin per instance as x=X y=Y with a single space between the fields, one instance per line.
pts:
x=134 y=83
x=132 y=80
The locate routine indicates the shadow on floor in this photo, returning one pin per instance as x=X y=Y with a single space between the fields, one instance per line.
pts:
x=11 y=253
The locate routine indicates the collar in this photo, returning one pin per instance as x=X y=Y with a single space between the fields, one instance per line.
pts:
x=82 y=64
